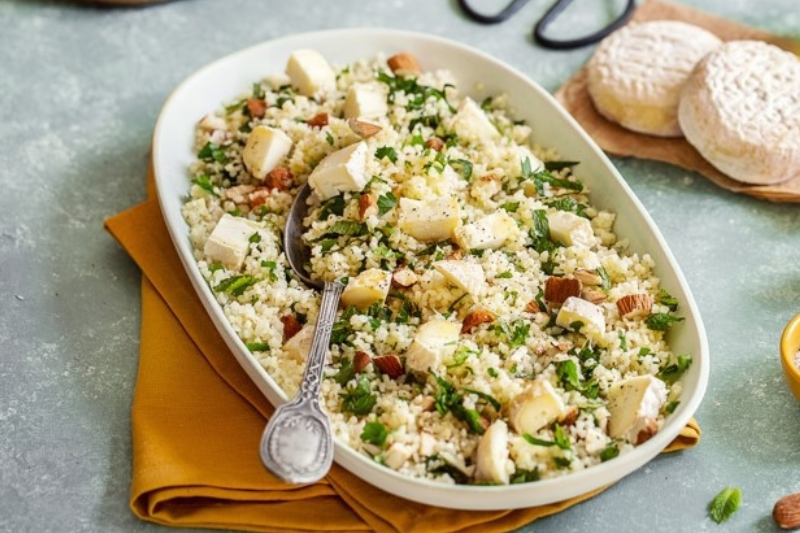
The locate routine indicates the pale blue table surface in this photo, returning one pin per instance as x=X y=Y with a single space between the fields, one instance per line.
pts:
x=80 y=88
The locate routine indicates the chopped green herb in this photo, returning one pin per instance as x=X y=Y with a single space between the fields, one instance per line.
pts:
x=334 y=206
x=387 y=152
x=569 y=205
x=623 y=340
x=492 y=372
x=374 y=433
x=204 y=182
x=661 y=321
x=491 y=400
x=258 y=346
x=460 y=357
x=643 y=352
x=235 y=285
x=436 y=464
x=562 y=462
x=346 y=372
x=212 y=152
x=671 y=406
x=258 y=91
x=524 y=476
x=213 y=267
x=725 y=504
x=511 y=207
x=448 y=399
x=504 y=275
x=609 y=452
x=359 y=400
x=605 y=281
x=255 y=237
x=560 y=165
x=567 y=372
x=236 y=212
x=345 y=227
x=665 y=298
x=674 y=369
x=327 y=244
x=544 y=176
x=272 y=266
x=463 y=167
x=385 y=203
x=329 y=138
x=537 y=441
x=477 y=252
x=562 y=440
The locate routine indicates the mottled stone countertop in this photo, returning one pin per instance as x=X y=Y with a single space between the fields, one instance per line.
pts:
x=80 y=88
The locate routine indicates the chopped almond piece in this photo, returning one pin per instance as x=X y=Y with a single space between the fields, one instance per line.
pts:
x=532 y=307
x=481 y=316
x=557 y=290
x=318 y=120
x=280 y=178
x=391 y=365
x=258 y=197
x=588 y=277
x=367 y=206
x=634 y=305
x=404 y=63
x=593 y=295
x=647 y=432
x=256 y=107
x=427 y=403
x=361 y=360
x=404 y=277
x=435 y=143
x=290 y=327
x=363 y=129
x=571 y=416
x=456 y=254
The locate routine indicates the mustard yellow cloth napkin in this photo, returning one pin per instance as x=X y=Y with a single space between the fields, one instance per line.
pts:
x=197 y=421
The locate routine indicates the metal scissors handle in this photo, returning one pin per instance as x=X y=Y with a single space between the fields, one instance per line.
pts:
x=551 y=15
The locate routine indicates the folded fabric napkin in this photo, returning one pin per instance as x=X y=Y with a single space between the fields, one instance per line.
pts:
x=198 y=418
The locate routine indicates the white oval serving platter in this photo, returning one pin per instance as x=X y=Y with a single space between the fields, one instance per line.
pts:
x=225 y=79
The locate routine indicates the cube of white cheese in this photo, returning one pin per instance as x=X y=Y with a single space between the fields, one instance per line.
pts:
x=265 y=149
x=310 y=73
x=536 y=407
x=434 y=341
x=299 y=346
x=491 y=231
x=369 y=287
x=584 y=317
x=571 y=230
x=472 y=124
x=365 y=101
x=343 y=170
x=633 y=405
x=230 y=240
x=466 y=275
x=429 y=220
x=492 y=455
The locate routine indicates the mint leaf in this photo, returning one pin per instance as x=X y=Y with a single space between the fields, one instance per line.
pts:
x=334 y=206
x=661 y=321
x=204 y=182
x=674 y=369
x=386 y=203
x=359 y=400
x=609 y=452
x=387 y=152
x=235 y=285
x=511 y=207
x=725 y=504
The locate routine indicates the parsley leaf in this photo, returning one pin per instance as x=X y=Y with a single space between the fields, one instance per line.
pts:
x=254 y=238
x=272 y=266
x=567 y=372
x=329 y=138
x=258 y=91
x=334 y=206
x=447 y=398
x=609 y=452
x=375 y=433
x=661 y=321
x=510 y=207
x=524 y=476
x=562 y=440
x=346 y=372
x=387 y=152
x=204 y=182
x=665 y=298
x=386 y=203
x=359 y=400
x=725 y=504
x=463 y=167
x=675 y=368
x=258 y=346
x=235 y=285
x=212 y=152
x=544 y=176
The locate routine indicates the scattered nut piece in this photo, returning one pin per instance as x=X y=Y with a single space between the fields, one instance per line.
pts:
x=588 y=277
x=258 y=197
x=787 y=512
x=290 y=326
x=570 y=417
x=455 y=254
x=427 y=403
x=256 y=107
x=390 y=364
x=318 y=120
x=557 y=290
x=532 y=307
x=634 y=305
x=363 y=129
x=367 y=206
x=593 y=295
x=404 y=277
x=360 y=360
x=435 y=143
x=280 y=178
x=480 y=316
x=647 y=432
x=404 y=63
x=239 y=193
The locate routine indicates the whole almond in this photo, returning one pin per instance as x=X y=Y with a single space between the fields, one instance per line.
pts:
x=634 y=305
x=588 y=277
x=391 y=365
x=787 y=512
x=557 y=290
x=361 y=360
x=363 y=129
x=404 y=63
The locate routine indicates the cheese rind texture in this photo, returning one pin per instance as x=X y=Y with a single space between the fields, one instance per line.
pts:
x=741 y=110
x=636 y=75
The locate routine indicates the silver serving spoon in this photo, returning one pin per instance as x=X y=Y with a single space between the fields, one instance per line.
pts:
x=297 y=445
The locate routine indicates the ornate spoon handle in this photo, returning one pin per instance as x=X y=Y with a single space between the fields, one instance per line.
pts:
x=297 y=445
